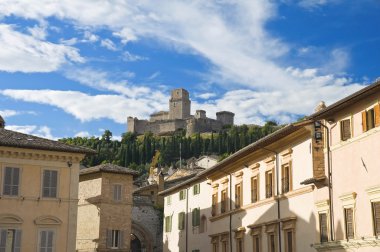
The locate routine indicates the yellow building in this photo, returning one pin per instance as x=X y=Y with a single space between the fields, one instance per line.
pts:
x=38 y=192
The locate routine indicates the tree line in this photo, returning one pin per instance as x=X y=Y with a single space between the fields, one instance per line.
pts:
x=137 y=152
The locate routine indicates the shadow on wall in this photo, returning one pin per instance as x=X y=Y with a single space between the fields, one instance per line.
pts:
x=294 y=226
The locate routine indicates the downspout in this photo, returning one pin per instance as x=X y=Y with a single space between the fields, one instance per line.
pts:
x=187 y=218
x=329 y=171
x=278 y=199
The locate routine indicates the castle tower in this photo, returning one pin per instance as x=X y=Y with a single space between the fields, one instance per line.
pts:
x=225 y=117
x=179 y=104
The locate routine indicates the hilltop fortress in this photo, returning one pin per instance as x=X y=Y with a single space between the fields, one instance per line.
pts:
x=179 y=117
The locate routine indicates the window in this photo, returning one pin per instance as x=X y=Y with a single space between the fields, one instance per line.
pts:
x=349 y=222
x=371 y=118
x=169 y=200
x=223 y=201
x=323 y=229
x=269 y=184
x=203 y=225
x=46 y=243
x=196 y=216
x=271 y=242
x=11 y=181
x=239 y=245
x=49 y=187
x=215 y=247
x=256 y=243
x=376 y=217
x=289 y=243
x=214 y=204
x=114 y=239
x=286 y=178
x=168 y=224
x=224 y=241
x=238 y=195
x=196 y=189
x=182 y=195
x=181 y=221
x=117 y=192
x=254 y=189
x=345 y=129
x=10 y=240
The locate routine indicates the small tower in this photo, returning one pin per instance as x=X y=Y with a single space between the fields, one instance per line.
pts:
x=179 y=104
x=225 y=117
x=200 y=114
x=2 y=123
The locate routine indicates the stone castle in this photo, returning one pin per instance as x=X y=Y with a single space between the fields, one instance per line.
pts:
x=179 y=117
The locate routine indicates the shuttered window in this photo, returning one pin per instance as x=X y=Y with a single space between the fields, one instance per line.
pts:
x=181 y=221
x=223 y=201
x=196 y=217
x=269 y=184
x=349 y=222
x=11 y=181
x=256 y=243
x=10 y=239
x=254 y=189
x=376 y=217
x=289 y=241
x=46 y=243
x=238 y=195
x=114 y=238
x=49 y=187
x=214 y=204
x=323 y=227
x=345 y=129
x=272 y=243
x=168 y=224
x=117 y=192
x=182 y=195
x=196 y=189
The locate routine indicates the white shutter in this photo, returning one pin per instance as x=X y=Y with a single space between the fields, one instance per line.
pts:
x=17 y=242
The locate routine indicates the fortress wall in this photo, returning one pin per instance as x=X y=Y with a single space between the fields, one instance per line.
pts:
x=159 y=116
x=203 y=125
x=160 y=127
x=136 y=125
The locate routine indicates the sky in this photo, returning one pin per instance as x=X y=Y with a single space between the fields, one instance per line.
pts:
x=76 y=68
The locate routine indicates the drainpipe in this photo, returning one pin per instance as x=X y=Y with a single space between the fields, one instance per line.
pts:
x=187 y=218
x=329 y=171
x=278 y=198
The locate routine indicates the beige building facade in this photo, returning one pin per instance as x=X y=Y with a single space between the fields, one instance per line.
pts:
x=310 y=186
x=105 y=208
x=39 y=193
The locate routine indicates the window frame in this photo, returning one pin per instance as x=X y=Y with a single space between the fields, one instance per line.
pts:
x=224 y=203
x=169 y=200
x=239 y=195
x=196 y=189
x=343 y=134
x=168 y=224
x=286 y=177
x=16 y=238
x=374 y=217
x=114 y=187
x=267 y=195
x=196 y=217
x=181 y=225
x=326 y=238
x=3 y=173
x=182 y=194
x=255 y=178
x=214 y=204
x=57 y=184
x=54 y=232
x=349 y=236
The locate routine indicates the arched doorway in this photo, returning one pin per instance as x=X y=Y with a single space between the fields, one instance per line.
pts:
x=135 y=244
x=141 y=239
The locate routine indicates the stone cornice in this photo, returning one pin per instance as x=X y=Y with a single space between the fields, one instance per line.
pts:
x=18 y=153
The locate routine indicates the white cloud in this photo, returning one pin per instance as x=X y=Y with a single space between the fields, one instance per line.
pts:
x=8 y=113
x=107 y=43
x=205 y=95
x=26 y=53
x=129 y=57
x=85 y=107
x=82 y=134
x=40 y=131
x=154 y=75
x=235 y=43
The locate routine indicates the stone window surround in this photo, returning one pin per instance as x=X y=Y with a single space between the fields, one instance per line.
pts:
x=239 y=235
x=323 y=207
x=348 y=200
x=2 y=180
x=43 y=169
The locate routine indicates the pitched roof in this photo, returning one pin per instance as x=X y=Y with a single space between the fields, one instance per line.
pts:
x=349 y=100
x=110 y=168
x=19 y=140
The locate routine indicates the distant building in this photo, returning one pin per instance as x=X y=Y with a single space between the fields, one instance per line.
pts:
x=104 y=208
x=39 y=192
x=311 y=186
x=179 y=117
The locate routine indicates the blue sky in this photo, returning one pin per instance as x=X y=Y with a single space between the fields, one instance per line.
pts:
x=74 y=68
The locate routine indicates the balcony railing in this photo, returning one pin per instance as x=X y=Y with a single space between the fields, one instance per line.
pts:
x=285 y=185
x=268 y=191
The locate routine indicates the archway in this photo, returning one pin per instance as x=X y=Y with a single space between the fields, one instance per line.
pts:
x=142 y=241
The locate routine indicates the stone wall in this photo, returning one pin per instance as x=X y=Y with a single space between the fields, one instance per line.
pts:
x=195 y=125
